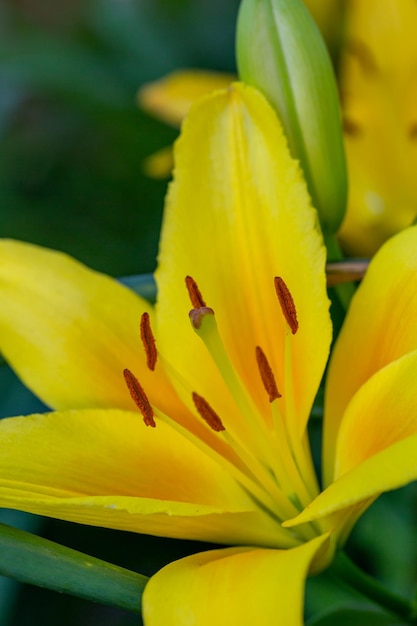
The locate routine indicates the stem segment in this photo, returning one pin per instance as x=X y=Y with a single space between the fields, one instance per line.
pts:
x=344 y=291
x=354 y=577
x=31 y=559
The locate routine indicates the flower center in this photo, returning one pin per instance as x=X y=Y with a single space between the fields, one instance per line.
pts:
x=267 y=456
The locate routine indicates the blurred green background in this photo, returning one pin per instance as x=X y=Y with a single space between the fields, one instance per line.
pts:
x=72 y=137
x=72 y=146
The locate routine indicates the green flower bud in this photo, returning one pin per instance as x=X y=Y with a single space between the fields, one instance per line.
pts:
x=281 y=52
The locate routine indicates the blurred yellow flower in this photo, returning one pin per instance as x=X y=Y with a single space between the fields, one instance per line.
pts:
x=378 y=84
x=171 y=97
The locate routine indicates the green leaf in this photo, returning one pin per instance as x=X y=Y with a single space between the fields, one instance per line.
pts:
x=334 y=600
x=384 y=537
x=38 y=561
x=350 y=617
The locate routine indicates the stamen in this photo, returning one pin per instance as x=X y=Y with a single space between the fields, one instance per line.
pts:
x=148 y=341
x=195 y=294
x=208 y=414
x=287 y=303
x=272 y=500
x=139 y=397
x=267 y=375
x=249 y=425
x=197 y=316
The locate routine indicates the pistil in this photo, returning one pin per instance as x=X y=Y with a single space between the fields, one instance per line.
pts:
x=204 y=323
x=273 y=465
x=269 y=458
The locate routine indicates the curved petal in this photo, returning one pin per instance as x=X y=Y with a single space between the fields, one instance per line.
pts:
x=382 y=412
x=231 y=587
x=69 y=331
x=379 y=328
x=237 y=215
x=171 y=97
x=390 y=469
x=106 y=468
x=377 y=444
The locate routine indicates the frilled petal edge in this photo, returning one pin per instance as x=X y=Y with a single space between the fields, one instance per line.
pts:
x=106 y=468
x=237 y=215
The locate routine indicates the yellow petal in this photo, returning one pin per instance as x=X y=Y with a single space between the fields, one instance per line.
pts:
x=106 y=468
x=378 y=71
x=237 y=215
x=376 y=447
x=379 y=328
x=232 y=587
x=69 y=332
x=382 y=412
x=389 y=469
x=171 y=97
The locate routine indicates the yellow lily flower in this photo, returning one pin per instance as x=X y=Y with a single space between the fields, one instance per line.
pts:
x=223 y=455
x=378 y=83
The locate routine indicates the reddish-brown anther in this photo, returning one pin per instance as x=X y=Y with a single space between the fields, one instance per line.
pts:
x=195 y=294
x=287 y=303
x=140 y=398
x=148 y=341
x=267 y=375
x=208 y=414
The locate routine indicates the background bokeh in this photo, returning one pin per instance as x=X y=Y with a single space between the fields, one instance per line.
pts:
x=72 y=136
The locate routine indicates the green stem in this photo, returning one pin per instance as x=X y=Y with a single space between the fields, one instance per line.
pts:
x=344 y=291
x=353 y=576
x=31 y=559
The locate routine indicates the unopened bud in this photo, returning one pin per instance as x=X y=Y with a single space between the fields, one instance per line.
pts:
x=281 y=52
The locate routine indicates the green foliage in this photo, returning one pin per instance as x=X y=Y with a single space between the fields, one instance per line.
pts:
x=73 y=138
x=31 y=559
